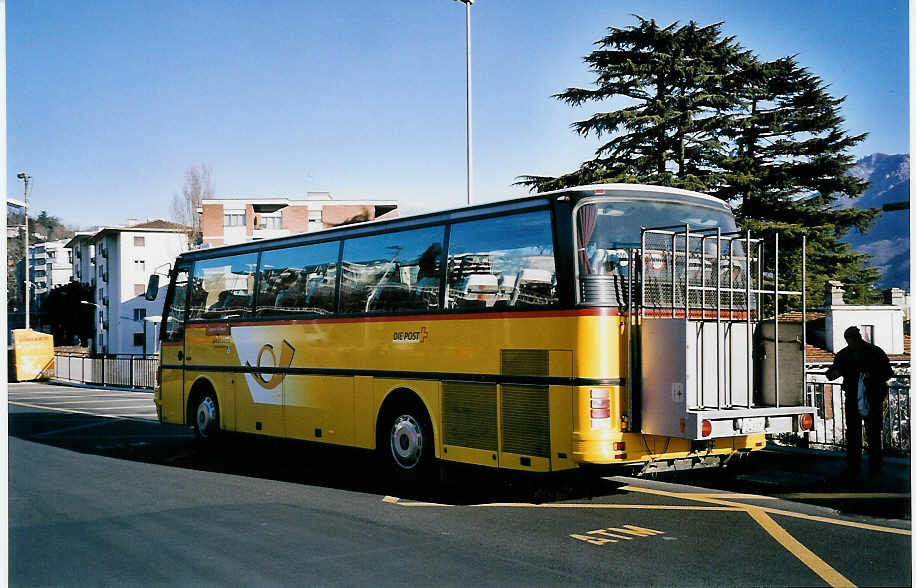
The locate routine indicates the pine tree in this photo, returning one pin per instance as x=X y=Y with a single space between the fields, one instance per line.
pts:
x=789 y=161
x=703 y=113
x=674 y=80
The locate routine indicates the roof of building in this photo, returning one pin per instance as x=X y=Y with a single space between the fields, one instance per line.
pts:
x=795 y=316
x=818 y=355
x=159 y=224
x=156 y=226
x=314 y=199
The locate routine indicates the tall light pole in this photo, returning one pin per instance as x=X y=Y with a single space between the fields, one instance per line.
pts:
x=467 y=6
x=25 y=179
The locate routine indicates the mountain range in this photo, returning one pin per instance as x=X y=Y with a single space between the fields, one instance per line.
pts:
x=888 y=240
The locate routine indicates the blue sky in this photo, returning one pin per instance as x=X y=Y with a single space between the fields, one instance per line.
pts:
x=110 y=102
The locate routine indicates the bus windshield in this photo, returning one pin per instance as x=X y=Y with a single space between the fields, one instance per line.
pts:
x=608 y=228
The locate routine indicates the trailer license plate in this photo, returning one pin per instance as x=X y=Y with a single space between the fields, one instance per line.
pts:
x=754 y=425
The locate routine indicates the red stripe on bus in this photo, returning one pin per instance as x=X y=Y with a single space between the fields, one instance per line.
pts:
x=430 y=317
x=581 y=312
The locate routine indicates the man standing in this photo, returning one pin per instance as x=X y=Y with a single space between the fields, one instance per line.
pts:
x=857 y=358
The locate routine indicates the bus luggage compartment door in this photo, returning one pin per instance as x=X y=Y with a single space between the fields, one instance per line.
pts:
x=701 y=371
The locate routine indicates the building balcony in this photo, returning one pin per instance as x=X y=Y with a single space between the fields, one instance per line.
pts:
x=269 y=233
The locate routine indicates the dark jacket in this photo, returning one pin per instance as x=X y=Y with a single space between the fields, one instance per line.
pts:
x=871 y=359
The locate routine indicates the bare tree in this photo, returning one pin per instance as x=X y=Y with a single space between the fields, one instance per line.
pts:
x=197 y=186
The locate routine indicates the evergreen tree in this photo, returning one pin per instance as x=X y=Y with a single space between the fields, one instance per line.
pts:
x=66 y=314
x=789 y=161
x=700 y=112
x=674 y=80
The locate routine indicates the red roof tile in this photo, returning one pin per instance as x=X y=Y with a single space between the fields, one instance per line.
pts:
x=795 y=316
x=817 y=355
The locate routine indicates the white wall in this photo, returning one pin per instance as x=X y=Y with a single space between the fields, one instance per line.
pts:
x=158 y=252
x=887 y=321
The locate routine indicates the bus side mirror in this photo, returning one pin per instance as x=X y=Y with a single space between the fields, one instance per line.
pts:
x=152 y=289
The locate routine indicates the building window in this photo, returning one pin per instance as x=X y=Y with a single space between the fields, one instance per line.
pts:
x=140 y=265
x=70 y=256
x=138 y=339
x=139 y=289
x=315 y=223
x=234 y=219
x=139 y=241
x=139 y=314
x=868 y=333
x=270 y=222
x=52 y=255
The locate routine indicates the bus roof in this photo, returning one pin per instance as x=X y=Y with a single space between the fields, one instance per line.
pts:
x=534 y=202
x=641 y=190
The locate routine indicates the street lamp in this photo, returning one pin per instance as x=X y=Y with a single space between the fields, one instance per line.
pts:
x=99 y=306
x=25 y=179
x=467 y=6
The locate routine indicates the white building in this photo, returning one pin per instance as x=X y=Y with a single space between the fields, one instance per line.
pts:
x=50 y=265
x=82 y=257
x=117 y=262
x=882 y=325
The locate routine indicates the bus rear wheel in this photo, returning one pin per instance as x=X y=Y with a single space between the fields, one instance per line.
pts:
x=206 y=417
x=406 y=441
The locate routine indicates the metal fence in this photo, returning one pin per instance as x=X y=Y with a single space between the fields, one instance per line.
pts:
x=830 y=424
x=129 y=371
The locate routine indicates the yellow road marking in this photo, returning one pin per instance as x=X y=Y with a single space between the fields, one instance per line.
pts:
x=845 y=495
x=610 y=506
x=788 y=513
x=807 y=557
x=399 y=502
x=736 y=496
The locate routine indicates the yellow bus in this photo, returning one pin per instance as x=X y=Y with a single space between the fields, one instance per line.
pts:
x=598 y=325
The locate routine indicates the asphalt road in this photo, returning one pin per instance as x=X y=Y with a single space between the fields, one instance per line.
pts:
x=101 y=494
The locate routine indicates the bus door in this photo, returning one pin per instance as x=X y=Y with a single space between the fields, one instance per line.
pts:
x=172 y=350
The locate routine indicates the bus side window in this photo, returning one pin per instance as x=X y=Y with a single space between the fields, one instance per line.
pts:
x=223 y=288
x=502 y=262
x=299 y=280
x=392 y=272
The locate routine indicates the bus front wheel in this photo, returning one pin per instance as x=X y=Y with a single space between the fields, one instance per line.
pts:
x=406 y=441
x=206 y=416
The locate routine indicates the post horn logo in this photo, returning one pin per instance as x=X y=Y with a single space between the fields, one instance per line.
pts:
x=267 y=359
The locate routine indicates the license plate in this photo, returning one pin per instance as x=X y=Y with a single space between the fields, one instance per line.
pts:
x=754 y=425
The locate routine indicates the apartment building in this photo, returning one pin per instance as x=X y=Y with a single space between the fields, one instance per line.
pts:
x=226 y=221
x=50 y=265
x=116 y=262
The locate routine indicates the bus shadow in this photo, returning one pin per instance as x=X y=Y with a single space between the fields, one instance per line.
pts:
x=295 y=461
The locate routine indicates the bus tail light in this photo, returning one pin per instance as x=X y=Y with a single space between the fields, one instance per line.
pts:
x=620 y=446
x=806 y=422
x=600 y=405
x=705 y=428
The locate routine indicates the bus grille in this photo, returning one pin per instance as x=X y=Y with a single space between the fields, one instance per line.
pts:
x=526 y=424
x=524 y=362
x=469 y=415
